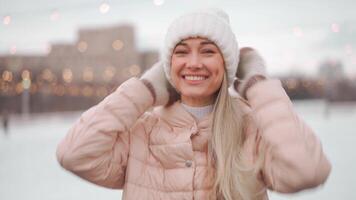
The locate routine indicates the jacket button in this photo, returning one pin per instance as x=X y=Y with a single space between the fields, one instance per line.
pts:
x=188 y=163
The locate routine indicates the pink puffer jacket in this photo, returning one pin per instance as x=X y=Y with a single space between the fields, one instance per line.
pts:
x=162 y=153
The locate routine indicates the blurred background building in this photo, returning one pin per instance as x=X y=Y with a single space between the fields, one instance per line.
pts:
x=72 y=76
x=75 y=76
x=331 y=84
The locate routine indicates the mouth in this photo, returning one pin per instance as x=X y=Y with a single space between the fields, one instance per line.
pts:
x=195 y=77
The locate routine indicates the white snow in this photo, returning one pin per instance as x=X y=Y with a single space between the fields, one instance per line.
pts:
x=29 y=169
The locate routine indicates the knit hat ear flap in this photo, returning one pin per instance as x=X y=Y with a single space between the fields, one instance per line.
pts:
x=212 y=24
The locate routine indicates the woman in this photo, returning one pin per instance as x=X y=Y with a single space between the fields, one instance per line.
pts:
x=177 y=132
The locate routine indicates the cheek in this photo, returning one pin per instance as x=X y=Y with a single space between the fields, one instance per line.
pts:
x=176 y=66
x=175 y=74
x=218 y=71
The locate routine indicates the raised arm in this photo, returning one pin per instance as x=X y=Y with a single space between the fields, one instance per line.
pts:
x=293 y=156
x=97 y=145
x=96 y=148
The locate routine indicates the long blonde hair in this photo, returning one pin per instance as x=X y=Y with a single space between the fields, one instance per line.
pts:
x=233 y=178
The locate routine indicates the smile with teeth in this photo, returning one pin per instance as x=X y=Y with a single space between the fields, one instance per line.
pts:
x=194 y=77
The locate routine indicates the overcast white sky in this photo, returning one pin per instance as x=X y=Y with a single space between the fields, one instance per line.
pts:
x=293 y=36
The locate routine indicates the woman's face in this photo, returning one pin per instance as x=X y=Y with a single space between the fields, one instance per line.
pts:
x=197 y=70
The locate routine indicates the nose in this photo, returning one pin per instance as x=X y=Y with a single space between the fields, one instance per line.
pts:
x=194 y=61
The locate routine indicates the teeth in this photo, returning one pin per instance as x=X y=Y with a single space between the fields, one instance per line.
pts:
x=195 y=78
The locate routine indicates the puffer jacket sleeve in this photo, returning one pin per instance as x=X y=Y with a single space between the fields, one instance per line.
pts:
x=96 y=147
x=293 y=158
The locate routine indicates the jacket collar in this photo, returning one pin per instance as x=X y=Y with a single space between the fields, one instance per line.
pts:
x=177 y=115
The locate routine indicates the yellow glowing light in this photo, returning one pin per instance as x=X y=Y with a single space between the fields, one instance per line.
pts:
x=87 y=91
x=7 y=76
x=6 y=20
x=88 y=74
x=25 y=74
x=109 y=73
x=47 y=75
x=104 y=8
x=158 y=2
x=82 y=46
x=67 y=75
x=117 y=45
x=134 y=70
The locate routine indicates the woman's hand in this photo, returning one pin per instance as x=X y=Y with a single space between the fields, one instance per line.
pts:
x=162 y=91
x=251 y=69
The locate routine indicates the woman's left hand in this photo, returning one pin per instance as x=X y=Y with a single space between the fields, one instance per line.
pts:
x=251 y=69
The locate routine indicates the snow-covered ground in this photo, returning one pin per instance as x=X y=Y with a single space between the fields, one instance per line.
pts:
x=29 y=170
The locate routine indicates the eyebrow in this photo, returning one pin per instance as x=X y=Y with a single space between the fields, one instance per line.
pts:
x=201 y=43
x=182 y=43
x=207 y=42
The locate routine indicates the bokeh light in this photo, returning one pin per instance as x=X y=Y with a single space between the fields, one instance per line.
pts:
x=67 y=75
x=104 y=8
x=158 y=2
x=7 y=76
x=82 y=46
x=335 y=28
x=134 y=70
x=88 y=74
x=117 y=45
x=109 y=73
x=6 y=20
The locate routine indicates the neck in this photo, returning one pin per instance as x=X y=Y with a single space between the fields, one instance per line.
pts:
x=198 y=102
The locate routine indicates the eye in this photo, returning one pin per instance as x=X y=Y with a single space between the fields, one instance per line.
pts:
x=208 y=51
x=180 y=52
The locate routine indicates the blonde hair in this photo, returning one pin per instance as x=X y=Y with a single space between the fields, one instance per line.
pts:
x=233 y=178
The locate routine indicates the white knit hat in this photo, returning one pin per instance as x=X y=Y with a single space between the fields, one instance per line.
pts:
x=212 y=24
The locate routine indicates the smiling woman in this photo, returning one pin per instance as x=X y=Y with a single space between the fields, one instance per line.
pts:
x=197 y=71
x=178 y=133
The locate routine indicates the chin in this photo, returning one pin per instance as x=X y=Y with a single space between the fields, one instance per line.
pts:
x=195 y=94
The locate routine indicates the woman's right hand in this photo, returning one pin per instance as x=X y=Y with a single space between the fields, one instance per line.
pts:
x=162 y=91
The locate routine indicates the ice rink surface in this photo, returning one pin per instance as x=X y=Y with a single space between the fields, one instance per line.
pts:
x=29 y=169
